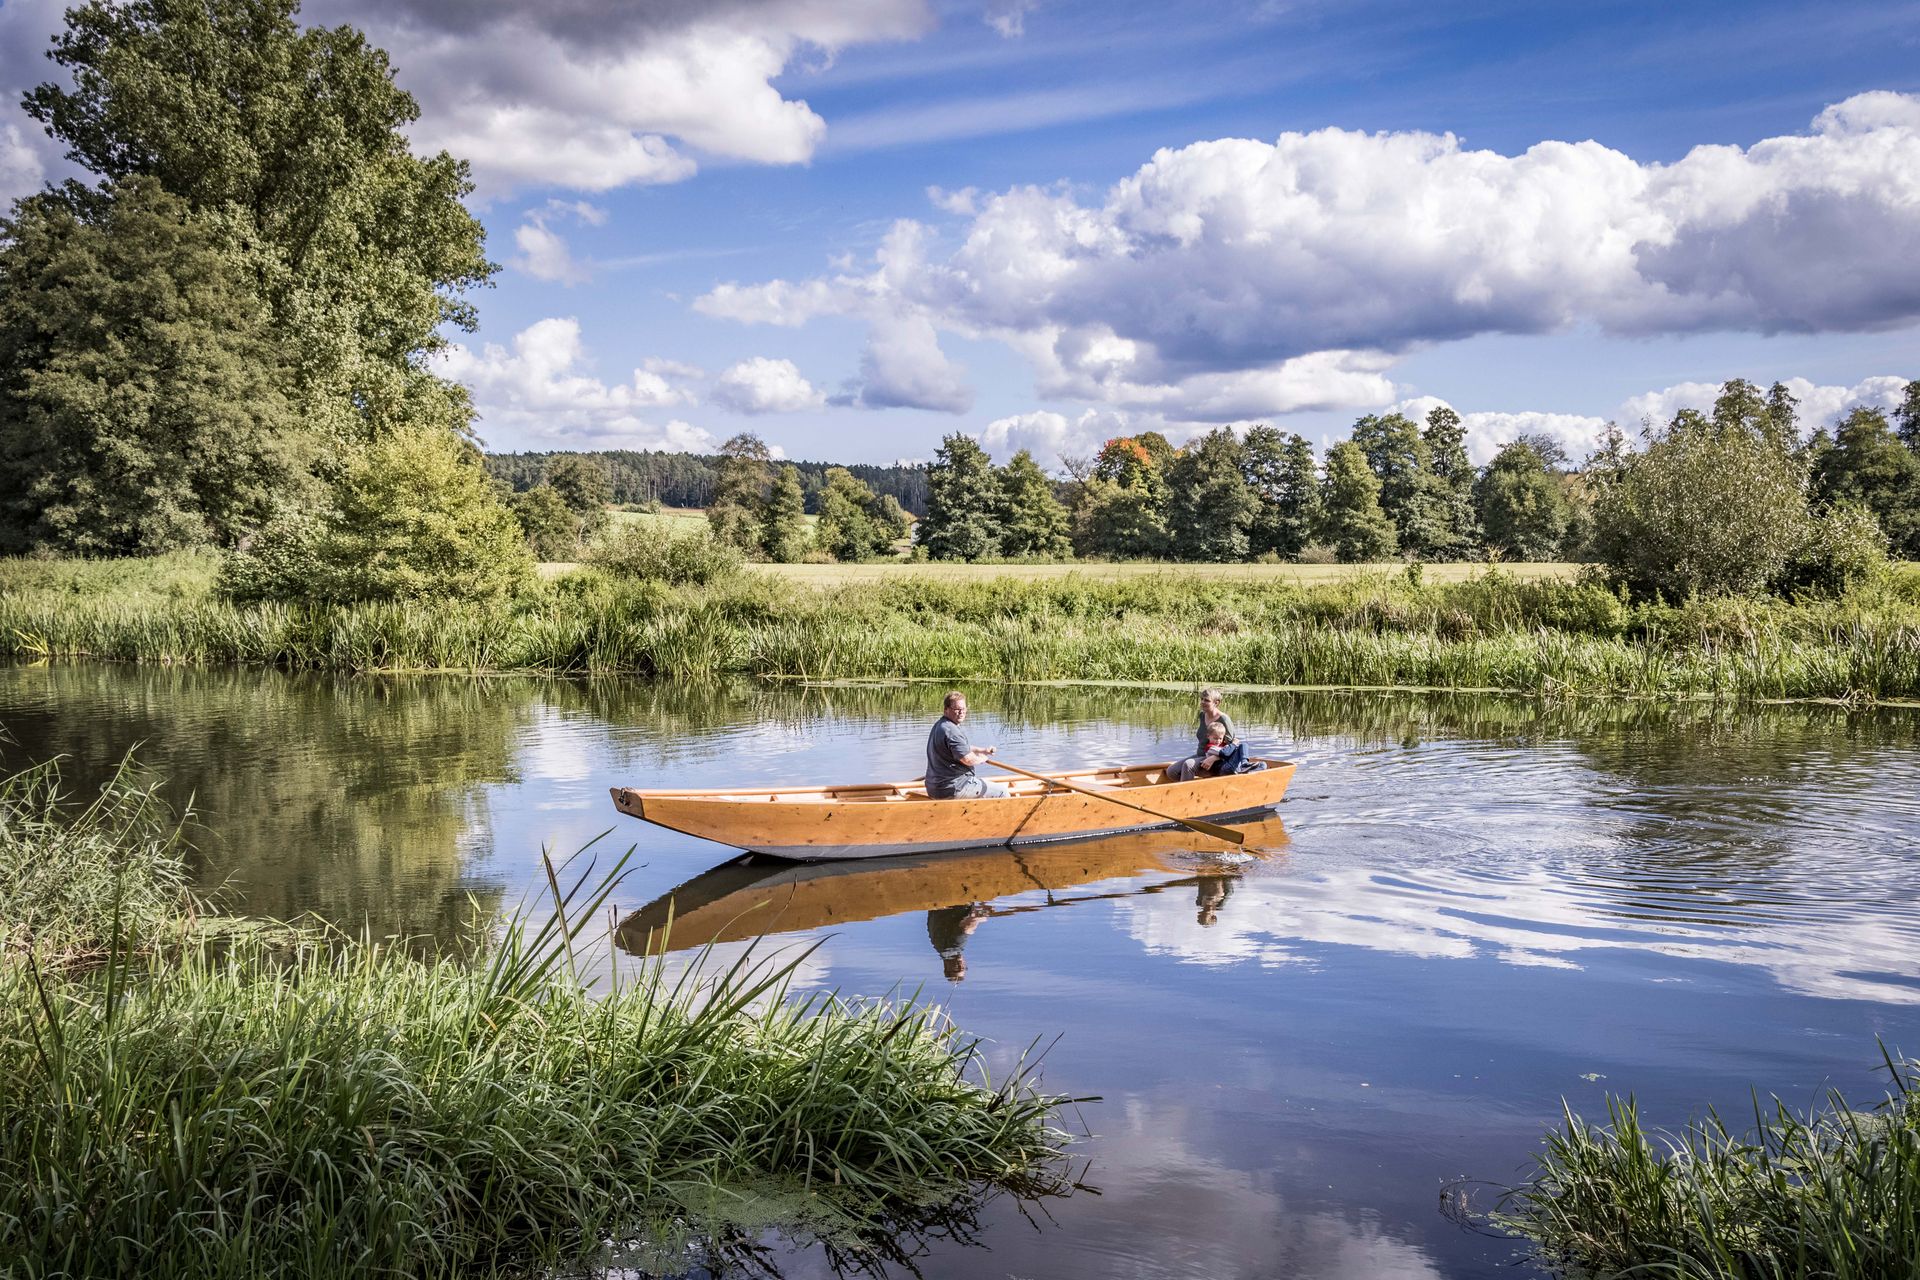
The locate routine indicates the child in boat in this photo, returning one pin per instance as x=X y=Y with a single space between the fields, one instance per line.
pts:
x=1209 y=759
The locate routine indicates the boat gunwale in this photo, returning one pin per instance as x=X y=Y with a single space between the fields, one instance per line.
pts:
x=831 y=794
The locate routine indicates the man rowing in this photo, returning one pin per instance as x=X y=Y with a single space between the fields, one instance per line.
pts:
x=951 y=757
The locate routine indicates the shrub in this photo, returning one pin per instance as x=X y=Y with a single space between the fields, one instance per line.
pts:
x=649 y=551
x=551 y=528
x=412 y=518
x=1704 y=510
x=1844 y=548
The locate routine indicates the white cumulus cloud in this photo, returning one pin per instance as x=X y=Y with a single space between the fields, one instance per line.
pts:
x=761 y=385
x=539 y=388
x=544 y=252
x=597 y=94
x=1236 y=277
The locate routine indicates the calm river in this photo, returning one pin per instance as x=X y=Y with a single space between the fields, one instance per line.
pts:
x=1469 y=910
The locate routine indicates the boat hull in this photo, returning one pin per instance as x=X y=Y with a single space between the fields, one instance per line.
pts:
x=746 y=898
x=882 y=820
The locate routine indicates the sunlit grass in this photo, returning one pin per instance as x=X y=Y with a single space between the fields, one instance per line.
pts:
x=1549 y=635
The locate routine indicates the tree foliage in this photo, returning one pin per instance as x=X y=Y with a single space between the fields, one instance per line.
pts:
x=1032 y=521
x=962 y=494
x=290 y=144
x=856 y=523
x=548 y=523
x=412 y=517
x=1122 y=509
x=141 y=401
x=1352 y=521
x=1705 y=509
x=1450 y=480
x=581 y=483
x=1522 y=503
x=1211 y=506
x=1283 y=478
x=1866 y=465
x=783 y=534
x=737 y=515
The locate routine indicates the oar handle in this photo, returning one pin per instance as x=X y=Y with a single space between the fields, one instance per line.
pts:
x=1213 y=829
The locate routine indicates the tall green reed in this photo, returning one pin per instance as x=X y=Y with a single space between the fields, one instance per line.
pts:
x=1833 y=1194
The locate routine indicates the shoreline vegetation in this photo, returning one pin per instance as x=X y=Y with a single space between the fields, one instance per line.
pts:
x=1488 y=630
x=1832 y=1193
x=303 y=1104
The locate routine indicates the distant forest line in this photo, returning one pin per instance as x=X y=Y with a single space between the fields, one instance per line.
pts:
x=642 y=476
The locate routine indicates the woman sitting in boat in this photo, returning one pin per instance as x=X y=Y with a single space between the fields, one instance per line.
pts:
x=951 y=757
x=1211 y=717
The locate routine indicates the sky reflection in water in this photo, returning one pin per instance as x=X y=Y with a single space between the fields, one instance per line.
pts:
x=1478 y=907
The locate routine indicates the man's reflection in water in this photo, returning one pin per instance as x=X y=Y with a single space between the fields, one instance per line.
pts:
x=1210 y=895
x=948 y=928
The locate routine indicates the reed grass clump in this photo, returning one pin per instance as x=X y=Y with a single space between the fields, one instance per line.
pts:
x=1833 y=1194
x=73 y=872
x=306 y=1107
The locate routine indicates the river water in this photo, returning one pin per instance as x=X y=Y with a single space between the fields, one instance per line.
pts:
x=1468 y=910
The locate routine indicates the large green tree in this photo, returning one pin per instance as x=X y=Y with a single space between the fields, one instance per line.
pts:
x=1280 y=469
x=1210 y=505
x=1522 y=503
x=1867 y=465
x=1033 y=524
x=1351 y=519
x=291 y=143
x=784 y=534
x=962 y=494
x=1121 y=513
x=1449 y=485
x=737 y=514
x=141 y=387
x=855 y=523
x=1398 y=457
x=1704 y=509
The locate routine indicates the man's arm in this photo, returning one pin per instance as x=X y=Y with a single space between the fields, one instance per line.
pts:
x=975 y=756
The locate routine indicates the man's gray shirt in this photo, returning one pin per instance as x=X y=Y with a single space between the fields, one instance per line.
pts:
x=947 y=746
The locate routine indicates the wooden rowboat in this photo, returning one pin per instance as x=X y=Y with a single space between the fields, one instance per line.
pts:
x=749 y=896
x=885 y=819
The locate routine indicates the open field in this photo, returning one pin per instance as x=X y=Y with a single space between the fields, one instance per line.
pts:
x=834 y=575
x=838 y=575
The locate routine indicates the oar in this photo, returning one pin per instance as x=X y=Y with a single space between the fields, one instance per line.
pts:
x=1213 y=829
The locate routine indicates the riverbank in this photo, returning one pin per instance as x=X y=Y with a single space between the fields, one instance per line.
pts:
x=1492 y=631
x=310 y=1106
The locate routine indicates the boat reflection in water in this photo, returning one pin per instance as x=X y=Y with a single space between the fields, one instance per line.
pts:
x=750 y=897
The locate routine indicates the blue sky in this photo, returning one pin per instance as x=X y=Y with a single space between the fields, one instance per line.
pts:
x=855 y=226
